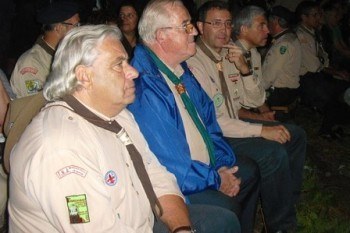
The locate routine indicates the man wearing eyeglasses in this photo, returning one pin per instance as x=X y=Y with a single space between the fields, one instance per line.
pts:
x=178 y=119
x=222 y=70
x=32 y=68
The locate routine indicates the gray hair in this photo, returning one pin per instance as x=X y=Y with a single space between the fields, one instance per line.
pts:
x=156 y=15
x=78 y=47
x=245 y=17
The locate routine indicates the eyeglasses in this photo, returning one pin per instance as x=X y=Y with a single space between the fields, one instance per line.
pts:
x=219 y=24
x=188 y=27
x=127 y=16
x=71 y=24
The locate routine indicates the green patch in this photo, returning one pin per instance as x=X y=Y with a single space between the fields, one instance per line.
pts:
x=218 y=100
x=33 y=86
x=78 y=209
x=283 y=50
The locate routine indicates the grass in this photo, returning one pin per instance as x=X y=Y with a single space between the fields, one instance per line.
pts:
x=325 y=205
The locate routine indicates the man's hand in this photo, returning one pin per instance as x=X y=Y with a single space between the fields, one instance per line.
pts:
x=235 y=55
x=267 y=116
x=264 y=116
x=277 y=133
x=229 y=183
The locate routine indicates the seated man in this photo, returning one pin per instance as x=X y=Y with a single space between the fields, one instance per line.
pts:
x=178 y=119
x=33 y=67
x=221 y=70
x=281 y=66
x=82 y=164
x=250 y=32
x=319 y=87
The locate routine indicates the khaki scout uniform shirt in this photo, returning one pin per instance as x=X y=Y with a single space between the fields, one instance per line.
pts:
x=206 y=72
x=68 y=175
x=257 y=95
x=32 y=69
x=310 y=51
x=281 y=66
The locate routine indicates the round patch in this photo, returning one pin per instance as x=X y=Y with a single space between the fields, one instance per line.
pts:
x=111 y=178
x=283 y=49
x=218 y=100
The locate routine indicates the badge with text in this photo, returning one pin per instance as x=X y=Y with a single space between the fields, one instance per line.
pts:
x=233 y=77
x=78 y=209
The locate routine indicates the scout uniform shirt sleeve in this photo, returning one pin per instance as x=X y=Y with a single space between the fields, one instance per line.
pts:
x=282 y=64
x=30 y=72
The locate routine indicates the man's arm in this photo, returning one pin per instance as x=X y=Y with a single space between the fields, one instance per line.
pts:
x=175 y=213
x=26 y=78
x=263 y=116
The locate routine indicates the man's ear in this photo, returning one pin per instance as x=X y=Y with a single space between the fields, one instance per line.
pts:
x=160 y=35
x=243 y=30
x=84 y=76
x=303 y=18
x=200 y=26
x=58 y=28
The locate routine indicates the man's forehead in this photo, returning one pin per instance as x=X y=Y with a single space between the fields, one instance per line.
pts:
x=216 y=13
x=179 y=14
x=113 y=47
x=259 y=19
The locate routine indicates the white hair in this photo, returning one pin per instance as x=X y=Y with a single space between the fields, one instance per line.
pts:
x=156 y=15
x=78 y=47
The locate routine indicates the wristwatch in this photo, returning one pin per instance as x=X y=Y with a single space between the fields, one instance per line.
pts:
x=247 y=74
x=184 y=229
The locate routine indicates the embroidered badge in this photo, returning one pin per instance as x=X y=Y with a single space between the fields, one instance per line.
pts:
x=31 y=70
x=111 y=178
x=283 y=49
x=33 y=86
x=78 y=209
x=233 y=77
x=71 y=170
x=218 y=100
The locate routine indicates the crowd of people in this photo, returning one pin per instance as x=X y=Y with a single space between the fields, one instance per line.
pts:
x=164 y=116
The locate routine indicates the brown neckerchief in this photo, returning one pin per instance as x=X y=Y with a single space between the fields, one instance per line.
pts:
x=223 y=84
x=135 y=156
x=40 y=41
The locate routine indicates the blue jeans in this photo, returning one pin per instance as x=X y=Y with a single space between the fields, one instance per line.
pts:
x=245 y=203
x=281 y=170
x=207 y=219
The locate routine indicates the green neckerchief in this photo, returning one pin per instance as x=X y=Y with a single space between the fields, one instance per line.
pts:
x=188 y=104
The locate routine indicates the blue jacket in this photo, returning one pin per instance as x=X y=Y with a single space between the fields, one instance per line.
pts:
x=160 y=121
